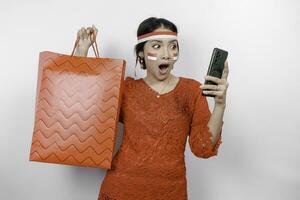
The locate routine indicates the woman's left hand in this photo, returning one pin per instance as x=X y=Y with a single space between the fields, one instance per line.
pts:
x=218 y=90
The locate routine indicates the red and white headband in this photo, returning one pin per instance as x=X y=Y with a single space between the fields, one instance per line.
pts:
x=157 y=35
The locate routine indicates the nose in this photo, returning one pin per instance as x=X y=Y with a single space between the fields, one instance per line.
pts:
x=165 y=54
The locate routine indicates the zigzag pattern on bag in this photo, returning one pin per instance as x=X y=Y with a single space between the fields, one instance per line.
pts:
x=77 y=110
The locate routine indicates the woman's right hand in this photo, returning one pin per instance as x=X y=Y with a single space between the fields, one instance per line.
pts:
x=86 y=38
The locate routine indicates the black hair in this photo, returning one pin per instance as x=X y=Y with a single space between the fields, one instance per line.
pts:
x=148 y=26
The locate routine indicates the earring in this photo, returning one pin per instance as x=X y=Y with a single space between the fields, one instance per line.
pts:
x=142 y=62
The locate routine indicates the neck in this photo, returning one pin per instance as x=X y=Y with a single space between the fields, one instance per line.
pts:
x=153 y=81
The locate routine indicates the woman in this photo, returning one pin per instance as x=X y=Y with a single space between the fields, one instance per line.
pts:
x=159 y=111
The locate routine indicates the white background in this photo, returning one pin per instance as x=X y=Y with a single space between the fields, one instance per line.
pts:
x=260 y=154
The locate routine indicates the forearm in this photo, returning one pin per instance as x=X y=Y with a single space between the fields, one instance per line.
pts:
x=216 y=122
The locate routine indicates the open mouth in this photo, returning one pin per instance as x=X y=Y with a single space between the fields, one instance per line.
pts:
x=163 y=68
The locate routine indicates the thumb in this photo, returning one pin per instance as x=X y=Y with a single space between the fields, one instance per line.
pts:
x=95 y=30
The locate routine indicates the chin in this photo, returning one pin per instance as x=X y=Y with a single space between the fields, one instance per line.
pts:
x=163 y=76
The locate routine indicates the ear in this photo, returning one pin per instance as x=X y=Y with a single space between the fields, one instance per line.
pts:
x=141 y=54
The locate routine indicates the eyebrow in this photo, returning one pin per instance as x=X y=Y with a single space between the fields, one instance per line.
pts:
x=161 y=41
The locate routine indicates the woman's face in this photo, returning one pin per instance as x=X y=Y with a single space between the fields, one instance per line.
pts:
x=160 y=56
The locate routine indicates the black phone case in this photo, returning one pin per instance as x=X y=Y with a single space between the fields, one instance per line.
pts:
x=216 y=66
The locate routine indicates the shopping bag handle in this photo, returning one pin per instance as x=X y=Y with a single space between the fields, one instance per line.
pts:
x=95 y=48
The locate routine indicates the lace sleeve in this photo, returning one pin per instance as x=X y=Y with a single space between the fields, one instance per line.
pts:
x=127 y=84
x=200 y=135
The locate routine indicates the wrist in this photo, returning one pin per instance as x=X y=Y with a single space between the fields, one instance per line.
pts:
x=220 y=105
x=81 y=51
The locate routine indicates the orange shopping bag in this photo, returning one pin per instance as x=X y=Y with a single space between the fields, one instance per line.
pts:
x=77 y=109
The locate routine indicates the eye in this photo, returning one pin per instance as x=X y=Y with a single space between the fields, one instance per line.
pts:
x=173 y=46
x=156 y=46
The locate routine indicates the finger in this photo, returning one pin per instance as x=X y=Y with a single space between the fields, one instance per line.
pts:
x=95 y=29
x=213 y=79
x=92 y=36
x=225 y=70
x=89 y=30
x=216 y=93
x=84 y=33
x=209 y=86
x=80 y=34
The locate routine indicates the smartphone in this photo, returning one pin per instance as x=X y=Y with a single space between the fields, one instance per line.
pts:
x=216 y=66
